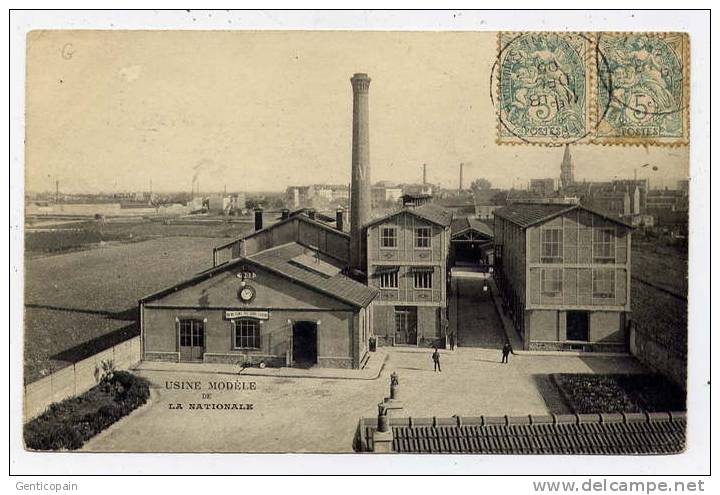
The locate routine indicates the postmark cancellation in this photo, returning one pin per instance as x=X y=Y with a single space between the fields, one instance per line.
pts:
x=555 y=88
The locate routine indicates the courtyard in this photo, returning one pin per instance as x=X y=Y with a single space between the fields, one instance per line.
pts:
x=321 y=415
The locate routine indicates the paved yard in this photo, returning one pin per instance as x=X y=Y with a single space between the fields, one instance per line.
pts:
x=478 y=324
x=306 y=414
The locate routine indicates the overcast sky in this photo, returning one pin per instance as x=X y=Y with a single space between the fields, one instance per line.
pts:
x=112 y=110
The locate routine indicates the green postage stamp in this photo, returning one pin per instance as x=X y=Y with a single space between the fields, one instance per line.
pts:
x=543 y=88
x=604 y=88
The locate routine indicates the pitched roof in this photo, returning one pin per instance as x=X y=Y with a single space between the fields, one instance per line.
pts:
x=528 y=214
x=298 y=216
x=430 y=212
x=609 y=434
x=283 y=260
x=462 y=224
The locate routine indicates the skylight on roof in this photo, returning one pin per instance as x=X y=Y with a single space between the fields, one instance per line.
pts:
x=314 y=264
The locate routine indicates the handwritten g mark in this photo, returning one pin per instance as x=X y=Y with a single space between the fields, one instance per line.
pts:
x=67 y=51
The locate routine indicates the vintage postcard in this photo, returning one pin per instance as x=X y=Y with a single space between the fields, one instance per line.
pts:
x=243 y=241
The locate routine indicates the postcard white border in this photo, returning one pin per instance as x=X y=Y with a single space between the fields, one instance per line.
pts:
x=694 y=461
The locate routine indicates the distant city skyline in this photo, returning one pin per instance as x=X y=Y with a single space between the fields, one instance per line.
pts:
x=261 y=111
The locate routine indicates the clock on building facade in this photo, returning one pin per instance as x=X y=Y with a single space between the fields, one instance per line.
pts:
x=246 y=293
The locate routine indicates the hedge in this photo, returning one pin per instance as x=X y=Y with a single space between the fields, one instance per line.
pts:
x=70 y=423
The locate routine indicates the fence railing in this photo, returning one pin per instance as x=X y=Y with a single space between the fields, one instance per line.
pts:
x=77 y=378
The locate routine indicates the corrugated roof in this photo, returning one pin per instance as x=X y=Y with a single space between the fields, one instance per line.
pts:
x=430 y=212
x=527 y=214
x=606 y=434
x=279 y=259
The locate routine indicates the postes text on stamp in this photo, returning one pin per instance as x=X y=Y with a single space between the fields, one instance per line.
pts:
x=642 y=88
x=543 y=87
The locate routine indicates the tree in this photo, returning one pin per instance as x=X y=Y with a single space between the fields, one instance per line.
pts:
x=480 y=185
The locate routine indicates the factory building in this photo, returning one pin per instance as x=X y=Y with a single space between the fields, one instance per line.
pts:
x=563 y=271
x=407 y=255
x=277 y=295
x=303 y=291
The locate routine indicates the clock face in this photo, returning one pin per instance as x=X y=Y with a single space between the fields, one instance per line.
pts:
x=247 y=293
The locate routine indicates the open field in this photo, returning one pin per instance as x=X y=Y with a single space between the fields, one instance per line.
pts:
x=79 y=303
x=662 y=266
x=70 y=235
x=659 y=294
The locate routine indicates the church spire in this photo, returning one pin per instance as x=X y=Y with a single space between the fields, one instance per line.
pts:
x=567 y=169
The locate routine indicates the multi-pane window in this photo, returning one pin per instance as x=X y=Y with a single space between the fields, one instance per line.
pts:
x=423 y=279
x=604 y=283
x=551 y=281
x=604 y=245
x=552 y=245
x=422 y=237
x=192 y=333
x=247 y=334
x=388 y=237
x=389 y=280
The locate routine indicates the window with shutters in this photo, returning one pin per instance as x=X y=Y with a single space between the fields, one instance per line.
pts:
x=423 y=280
x=389 y=280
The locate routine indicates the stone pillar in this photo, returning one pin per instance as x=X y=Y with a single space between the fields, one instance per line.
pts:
x=383 y=435
x=360 y=194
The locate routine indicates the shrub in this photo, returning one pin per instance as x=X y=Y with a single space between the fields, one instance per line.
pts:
x=588 y=393
x=70 y=423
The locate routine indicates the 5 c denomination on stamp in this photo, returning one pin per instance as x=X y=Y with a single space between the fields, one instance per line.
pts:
x=642 y=88
x=543 y=88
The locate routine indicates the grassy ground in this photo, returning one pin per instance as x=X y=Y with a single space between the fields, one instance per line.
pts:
x=665 y=267
x=615 y=393
x=663 y=313
x=76 y=235
x=82 y=302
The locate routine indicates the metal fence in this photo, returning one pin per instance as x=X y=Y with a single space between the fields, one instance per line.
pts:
x=77 y=378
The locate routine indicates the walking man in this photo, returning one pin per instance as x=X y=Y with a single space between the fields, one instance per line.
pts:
x=506 y=350
x=436 y=360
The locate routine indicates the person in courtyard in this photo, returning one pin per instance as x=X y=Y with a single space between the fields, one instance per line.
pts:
x=506 y=350
x=436 y=360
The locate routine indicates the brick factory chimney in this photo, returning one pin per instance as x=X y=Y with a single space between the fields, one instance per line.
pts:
x=360 y=191
x=424 y=174
x=258 y=218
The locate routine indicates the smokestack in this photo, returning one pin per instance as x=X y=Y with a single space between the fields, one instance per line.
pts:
x=424 y=174
x=360 y=190
x=284 y=214
x=57 y=191
x=339 y=220
x=258 y=218
x=311 y=213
